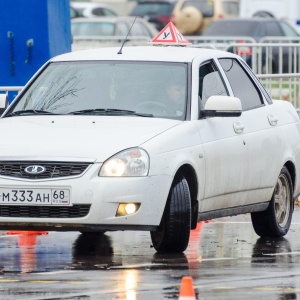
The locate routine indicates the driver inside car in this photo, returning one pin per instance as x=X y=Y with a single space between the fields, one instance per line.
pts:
x=176 y=94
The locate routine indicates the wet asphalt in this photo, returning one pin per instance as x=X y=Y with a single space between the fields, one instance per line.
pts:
x=225 y=259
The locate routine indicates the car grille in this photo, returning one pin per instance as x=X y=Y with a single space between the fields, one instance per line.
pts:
x=52 y=169
x=75 y=211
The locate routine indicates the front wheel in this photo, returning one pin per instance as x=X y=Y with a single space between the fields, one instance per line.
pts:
x=276 y=220
x=173 y=233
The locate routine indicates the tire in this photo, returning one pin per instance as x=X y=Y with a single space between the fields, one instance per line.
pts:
x=276 y=220
x=92 y=244
x=189 y=20
x=173 y=233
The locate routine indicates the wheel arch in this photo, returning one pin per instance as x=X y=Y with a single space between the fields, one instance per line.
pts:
x=189 y=173
x=263 y=14
x=292 y=170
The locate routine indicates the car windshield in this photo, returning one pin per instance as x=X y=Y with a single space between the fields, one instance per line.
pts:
x=205 y=6
x=79 y=11
x=93 y=29
x=232 y=28
x=156 y=89
x=143 y=9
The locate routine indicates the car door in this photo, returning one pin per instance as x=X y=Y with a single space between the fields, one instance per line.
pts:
x=259 y=122
x=224 y=151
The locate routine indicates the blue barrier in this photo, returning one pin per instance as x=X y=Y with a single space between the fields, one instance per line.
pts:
x=31 y=32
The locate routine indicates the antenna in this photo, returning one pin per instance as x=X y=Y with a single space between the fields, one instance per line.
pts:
x=120 y=51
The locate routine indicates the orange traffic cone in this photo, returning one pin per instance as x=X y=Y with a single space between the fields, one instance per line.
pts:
x=187 y=289
x=26 y=232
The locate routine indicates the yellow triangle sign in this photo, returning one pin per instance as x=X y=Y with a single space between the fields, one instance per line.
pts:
x=170 y=35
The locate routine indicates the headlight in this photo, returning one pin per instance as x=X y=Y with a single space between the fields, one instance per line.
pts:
x=130 y=162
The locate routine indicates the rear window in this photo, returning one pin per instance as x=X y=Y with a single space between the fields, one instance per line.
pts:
x=288 y=30
x=79 y=12
x=93 y=29
x=231 y=28
x=205 y=6
x=231 y=8
x=145 y=8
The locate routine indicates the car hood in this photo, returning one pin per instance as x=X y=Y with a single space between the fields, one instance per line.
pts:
x=75 y=138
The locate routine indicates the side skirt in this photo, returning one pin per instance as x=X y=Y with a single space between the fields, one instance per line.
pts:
x=232 y=211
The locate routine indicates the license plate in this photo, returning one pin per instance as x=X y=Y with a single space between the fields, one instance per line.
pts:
x=35 y=196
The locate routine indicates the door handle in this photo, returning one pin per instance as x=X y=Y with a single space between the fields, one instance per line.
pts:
x=238 y=127
x=272 y=120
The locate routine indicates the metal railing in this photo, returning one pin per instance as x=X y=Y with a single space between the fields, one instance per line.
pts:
x=7 y=89
x=283 y=87
x=92 y=42
x=268 y=58
x=269 y=55
x=220 y=41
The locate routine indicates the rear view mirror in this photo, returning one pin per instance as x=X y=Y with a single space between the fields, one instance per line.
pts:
x=3 y=103
x=222 y=106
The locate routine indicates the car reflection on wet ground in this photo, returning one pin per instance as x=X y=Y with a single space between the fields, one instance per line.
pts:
x=225 y=258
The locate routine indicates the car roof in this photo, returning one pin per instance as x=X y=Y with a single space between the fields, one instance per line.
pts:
x=88 y=5
x=243 y=20
x=112 y=19
x=144 y=53
x=156 y=1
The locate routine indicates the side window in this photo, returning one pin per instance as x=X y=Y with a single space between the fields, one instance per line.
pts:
x=203 y=71
x=121 y=29
x=98 y=11
x=210 y=83
x=108 y=12
x=138 y=30
x=287 y=29
x=231 y=8
x=226 y=8
x=258 y=82
x=241 y=84
x=273 y=29
x=235 y=8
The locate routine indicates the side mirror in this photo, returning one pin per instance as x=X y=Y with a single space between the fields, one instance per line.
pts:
x=222 y=106
x=3 y=103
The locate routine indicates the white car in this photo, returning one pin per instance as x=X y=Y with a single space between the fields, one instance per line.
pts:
x=110 y=32
x=97 y=142
x=91 y=10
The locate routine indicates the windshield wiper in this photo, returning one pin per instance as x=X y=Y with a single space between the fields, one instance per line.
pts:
x=29 y=112
x=109 y=111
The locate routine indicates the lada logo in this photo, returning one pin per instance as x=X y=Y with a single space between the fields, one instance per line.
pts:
x=35 y=169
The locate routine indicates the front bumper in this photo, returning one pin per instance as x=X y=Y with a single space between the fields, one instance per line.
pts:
x=103 y=194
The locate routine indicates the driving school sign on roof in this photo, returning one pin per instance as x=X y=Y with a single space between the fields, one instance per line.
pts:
x=170 y=35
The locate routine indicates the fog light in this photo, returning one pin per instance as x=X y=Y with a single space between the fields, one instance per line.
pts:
x=125 y=209
x=130 y=208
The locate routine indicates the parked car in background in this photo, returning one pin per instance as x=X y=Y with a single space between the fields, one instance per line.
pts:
x=90 y=33
x=114 y=150
x=288 y=10
x=258 y=28
x=192 y=17
x=158 y=12
x=91 y=9
x=73 y=13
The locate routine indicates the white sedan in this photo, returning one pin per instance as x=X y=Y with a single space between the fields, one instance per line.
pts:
x=90 y=33
x=91 y=10
x=147 y=138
